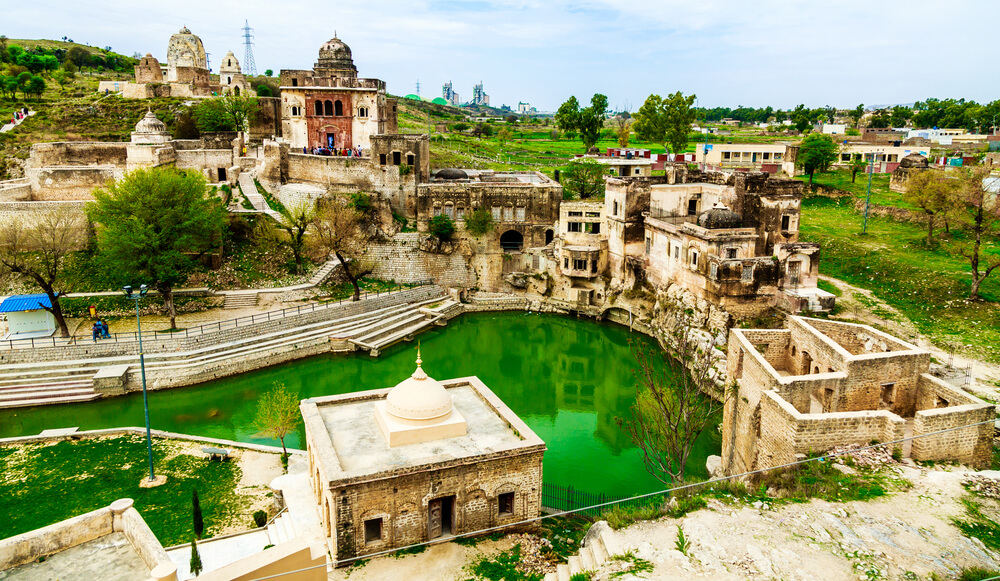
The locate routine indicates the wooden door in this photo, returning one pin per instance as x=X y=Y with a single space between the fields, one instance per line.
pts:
x=434 y=518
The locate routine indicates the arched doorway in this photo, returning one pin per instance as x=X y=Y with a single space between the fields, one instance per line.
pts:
x=549 y=234
x=511 y=241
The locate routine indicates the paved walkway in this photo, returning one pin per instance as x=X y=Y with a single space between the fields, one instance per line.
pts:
x=301 y=502
x=218 y=553
x=10 y=126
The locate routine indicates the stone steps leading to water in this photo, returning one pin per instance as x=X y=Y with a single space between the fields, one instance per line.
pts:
x=240 y=300
x=599 y=546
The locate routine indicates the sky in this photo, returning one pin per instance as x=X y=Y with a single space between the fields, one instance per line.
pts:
x=729 y=53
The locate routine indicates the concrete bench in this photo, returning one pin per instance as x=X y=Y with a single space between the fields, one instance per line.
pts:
x=222 y=453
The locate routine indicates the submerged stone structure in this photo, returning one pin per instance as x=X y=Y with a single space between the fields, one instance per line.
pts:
x=817 y=384
x=421 y=461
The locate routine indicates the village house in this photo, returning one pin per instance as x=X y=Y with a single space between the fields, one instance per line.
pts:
x=421 y=461
x=817 y=384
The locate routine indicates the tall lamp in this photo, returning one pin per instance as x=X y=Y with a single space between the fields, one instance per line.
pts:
x=143 y=289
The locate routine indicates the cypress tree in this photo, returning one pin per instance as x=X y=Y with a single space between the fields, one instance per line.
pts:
x=199 y=523
x=195 y=559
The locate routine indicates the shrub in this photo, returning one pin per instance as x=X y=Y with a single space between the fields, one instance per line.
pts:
x=479 y=222
x=260 y=518
x=442 y=227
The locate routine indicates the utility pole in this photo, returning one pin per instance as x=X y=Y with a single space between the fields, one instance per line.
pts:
x=868 y=194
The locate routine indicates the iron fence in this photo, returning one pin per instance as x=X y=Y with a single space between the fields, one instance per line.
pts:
x=568 y=498
x=155 y=336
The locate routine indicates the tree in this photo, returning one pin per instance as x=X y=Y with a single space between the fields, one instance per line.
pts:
x=816 y=153
x=671 y=408
x=198 y=522
x=36 y=86
x=24 y=83
x=857 y=113
x=268 y=73
x=241 y=109
x=801 y=118
x=479 y=222
x=858 y=163
x=290 y=231
x=277 y=413
x=340 y=230
x=590 y=121
x=623 y=130
x=979 y=211
x=933 y=192
x=153 y=225
x=899 y=116
x=567 y=115
x=78 y=56
x=667 y=121
x=61 y=77
x=195 y=564
x=442 y=227
x=584 y=178
x=263 y=90
x=503 y=136
x=880 y=120
x=36 y=252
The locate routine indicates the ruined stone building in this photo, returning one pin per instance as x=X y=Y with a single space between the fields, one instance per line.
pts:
x=729 y=238
x=231 y=77
x=421 y=461
x=330 y=107
x=817 y=384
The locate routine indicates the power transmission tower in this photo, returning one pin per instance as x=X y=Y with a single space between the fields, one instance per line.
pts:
x=418 y=87
x=249 y=66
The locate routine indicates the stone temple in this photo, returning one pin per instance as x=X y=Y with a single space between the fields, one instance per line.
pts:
x=421 y=461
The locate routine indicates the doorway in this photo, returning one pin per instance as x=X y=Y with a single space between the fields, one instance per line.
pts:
x=330 y=141
x=794 y=273
x=222 y=174
x=441 y=517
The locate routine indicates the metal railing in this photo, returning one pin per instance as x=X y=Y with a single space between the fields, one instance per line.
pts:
x=162 y=336
x=568 y=498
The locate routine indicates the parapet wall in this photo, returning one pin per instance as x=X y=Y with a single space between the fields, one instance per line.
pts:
x=400 y=259
x=970 y=445
x=81 y=153
x=70 y=182
x=349 y=175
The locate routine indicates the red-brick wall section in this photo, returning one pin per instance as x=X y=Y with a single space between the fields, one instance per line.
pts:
x=320 y=126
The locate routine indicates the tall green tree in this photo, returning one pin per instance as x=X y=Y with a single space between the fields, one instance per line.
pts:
x=667 y=121
x=650 y=121
x=567 y=115
x=195 y=563
x=583 y=178
x=816 y=152
x=277 y=413
x=934 y=192
x=591 y=120
x=154 y=224
x=198 y=523
x=857 y=113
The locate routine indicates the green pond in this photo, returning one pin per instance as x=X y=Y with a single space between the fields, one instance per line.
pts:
x=566 y=378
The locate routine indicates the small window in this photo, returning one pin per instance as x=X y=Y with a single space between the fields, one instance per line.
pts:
x=785 y=222
x=566 y=263
x=747 y=275
x=338 y=108
x=594 y=227
x=396 y=158
x=505 y=504
x=328 y=107
x=381 y=159
x=508 y=214
x=409 y=159
x=777 y=157
x=730 y=253
x=449 y=211
x=319 y=108
x=648 y=244
x=793 y=350
x=519 y=214
x=295 y=82
x=579 y=264
x=437 y=210
x=677 y=252
x=574 y=227
x=694 y=259
x=460 y=212
x=496 y=213
x=726 y=155
x=593 y=214
x=373 y=530
x=593 y=266
x=614 y=211
x=575 y=214
x=713 y=271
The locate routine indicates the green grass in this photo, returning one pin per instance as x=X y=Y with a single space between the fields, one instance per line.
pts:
x=565 y=534
x=500 y=567
x=820 y=480
x=840 y=179
x=45 y=484
x=830 y=288
x=927 y=285
x=977 y=574
x=980 y=521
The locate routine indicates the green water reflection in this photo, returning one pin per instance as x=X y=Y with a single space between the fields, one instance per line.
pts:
x=567 y=379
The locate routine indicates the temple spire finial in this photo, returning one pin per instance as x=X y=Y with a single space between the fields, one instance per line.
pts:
x=419 y=360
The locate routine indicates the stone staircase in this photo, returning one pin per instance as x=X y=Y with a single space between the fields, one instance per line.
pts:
x=281 y=529
x=400 y=327
x=249 y=189
x=240 y=300
x=599 y=545
x=323 y=272
x=30 y=384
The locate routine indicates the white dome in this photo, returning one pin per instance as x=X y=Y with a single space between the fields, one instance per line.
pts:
x=150 y=124
x=418 y=397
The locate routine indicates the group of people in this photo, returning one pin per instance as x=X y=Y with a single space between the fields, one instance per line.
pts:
x=100 y=329
x=342 y=152
x=18 y=115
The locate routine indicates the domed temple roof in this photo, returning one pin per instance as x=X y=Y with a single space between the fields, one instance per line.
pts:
x=451 y=173
x=335 y=56
x=419 y=397
x=719 y=216
x=150 y=124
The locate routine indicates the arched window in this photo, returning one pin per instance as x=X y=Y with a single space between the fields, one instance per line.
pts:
x=511 y=241
x=327 y=108
x=338 y=108
x=237 y=91
x=319 y=108
x=362 y=111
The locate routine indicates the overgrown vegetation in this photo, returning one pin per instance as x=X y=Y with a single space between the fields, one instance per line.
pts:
x=980 y=521
x=501 y=566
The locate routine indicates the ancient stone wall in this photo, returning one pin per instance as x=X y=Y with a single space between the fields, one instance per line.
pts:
x=350 y=175
x=84 y=153
x=70 y=183
x=970 y=445
x=400 y=259
x=18 y=190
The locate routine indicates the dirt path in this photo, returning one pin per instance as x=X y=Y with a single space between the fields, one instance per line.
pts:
x=905 y=536
x=986 y=375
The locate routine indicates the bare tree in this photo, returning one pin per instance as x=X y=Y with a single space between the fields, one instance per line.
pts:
x=623 y=129
x=673 y=406
x=342 y=231
x=979 y=212
x=37 y=251
x=290 y=230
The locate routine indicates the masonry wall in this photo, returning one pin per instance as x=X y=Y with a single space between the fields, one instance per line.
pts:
x=81 y=153
x=349 y=175
x=69 y=183
x=400 y=259
x=972 y=445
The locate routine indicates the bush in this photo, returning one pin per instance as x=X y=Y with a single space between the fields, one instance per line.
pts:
x=260 y=518
x=442 y=227
x=479 y=222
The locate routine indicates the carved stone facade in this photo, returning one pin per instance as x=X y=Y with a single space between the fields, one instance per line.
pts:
x=423 y=461
x=330 y=107
x=817 y=384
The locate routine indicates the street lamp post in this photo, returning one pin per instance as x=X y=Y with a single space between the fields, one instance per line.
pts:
x=143 y=289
